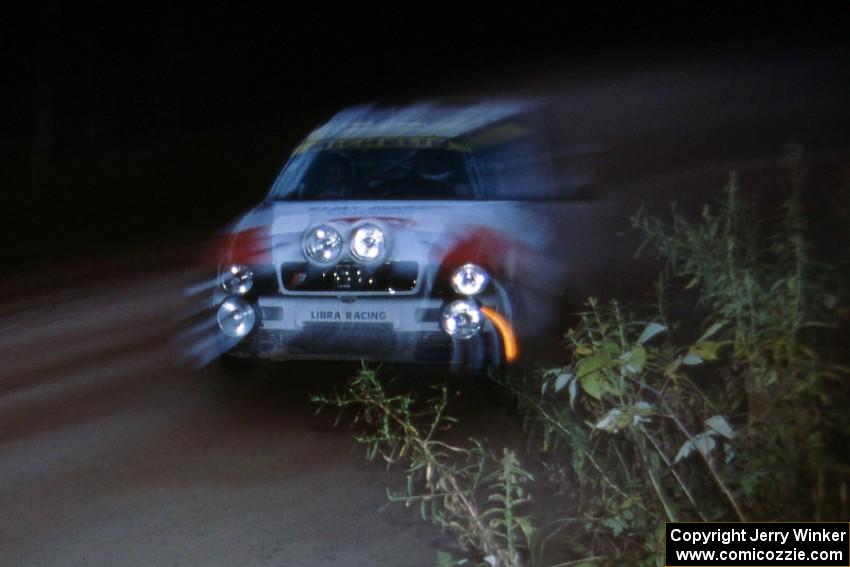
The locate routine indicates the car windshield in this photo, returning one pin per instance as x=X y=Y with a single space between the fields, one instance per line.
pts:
x=374 y=173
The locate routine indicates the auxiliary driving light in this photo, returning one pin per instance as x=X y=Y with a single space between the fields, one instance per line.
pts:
x=462 y=319
x=236 y=317
x=323 y=244
x=368 y=243
x=470 y=279
x=237 y=279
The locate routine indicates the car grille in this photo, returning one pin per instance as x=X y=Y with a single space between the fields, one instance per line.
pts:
x=392 y=277
x=372 y=339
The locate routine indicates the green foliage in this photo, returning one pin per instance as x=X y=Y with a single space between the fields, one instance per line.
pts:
x=466 y=490
x=735 y=418
x=775 y=306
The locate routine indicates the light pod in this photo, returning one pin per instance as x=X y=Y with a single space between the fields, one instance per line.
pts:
x=368 y=244
x=237 y=279
x=462 y=319
x=236 y=317
x=470 y=279
x=323 y=244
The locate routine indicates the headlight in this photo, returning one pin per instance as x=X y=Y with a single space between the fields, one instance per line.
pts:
x=323 y=244
x=462 y=319
x=237 y=279
x=470 y=279
x=236 y=317
x=368 y=243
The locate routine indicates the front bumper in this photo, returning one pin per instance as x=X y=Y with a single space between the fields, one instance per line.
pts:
x=400 y=329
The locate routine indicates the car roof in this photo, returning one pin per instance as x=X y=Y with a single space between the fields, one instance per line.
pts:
x=430 y=120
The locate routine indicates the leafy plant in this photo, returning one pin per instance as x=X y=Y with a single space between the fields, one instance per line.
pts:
x=734 y=417
x=774 y=305
x=466 y=490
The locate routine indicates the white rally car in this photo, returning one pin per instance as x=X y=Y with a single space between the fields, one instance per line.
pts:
x=424 y=233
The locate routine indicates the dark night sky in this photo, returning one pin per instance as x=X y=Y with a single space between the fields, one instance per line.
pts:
x=121 y=126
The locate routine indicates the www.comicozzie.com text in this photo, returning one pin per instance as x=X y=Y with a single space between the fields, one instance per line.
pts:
x=755 y=534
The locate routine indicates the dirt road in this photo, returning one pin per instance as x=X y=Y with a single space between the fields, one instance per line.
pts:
x=112 y=453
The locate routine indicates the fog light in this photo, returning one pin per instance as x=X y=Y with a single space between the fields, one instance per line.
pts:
x=236 y=317
x=461 y=319
x=470 y=279
x=368 y=244
x=237 y=279
x=323 y=244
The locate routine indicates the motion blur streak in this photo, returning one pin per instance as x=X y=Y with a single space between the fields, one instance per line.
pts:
x=505 y=331
x=112 y=453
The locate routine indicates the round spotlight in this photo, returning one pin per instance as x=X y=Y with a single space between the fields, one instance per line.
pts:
x=470 y=279
x=323 y=244
x=236 y=317
x=462 y=319
x=368 y=243
x=237 y=279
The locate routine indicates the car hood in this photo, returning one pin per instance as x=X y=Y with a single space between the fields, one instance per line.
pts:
x=504 y=237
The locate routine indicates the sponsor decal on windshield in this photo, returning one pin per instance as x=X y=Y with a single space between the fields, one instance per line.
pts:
x=384 y=142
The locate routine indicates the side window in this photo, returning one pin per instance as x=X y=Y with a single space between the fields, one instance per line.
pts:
x=514 y=170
